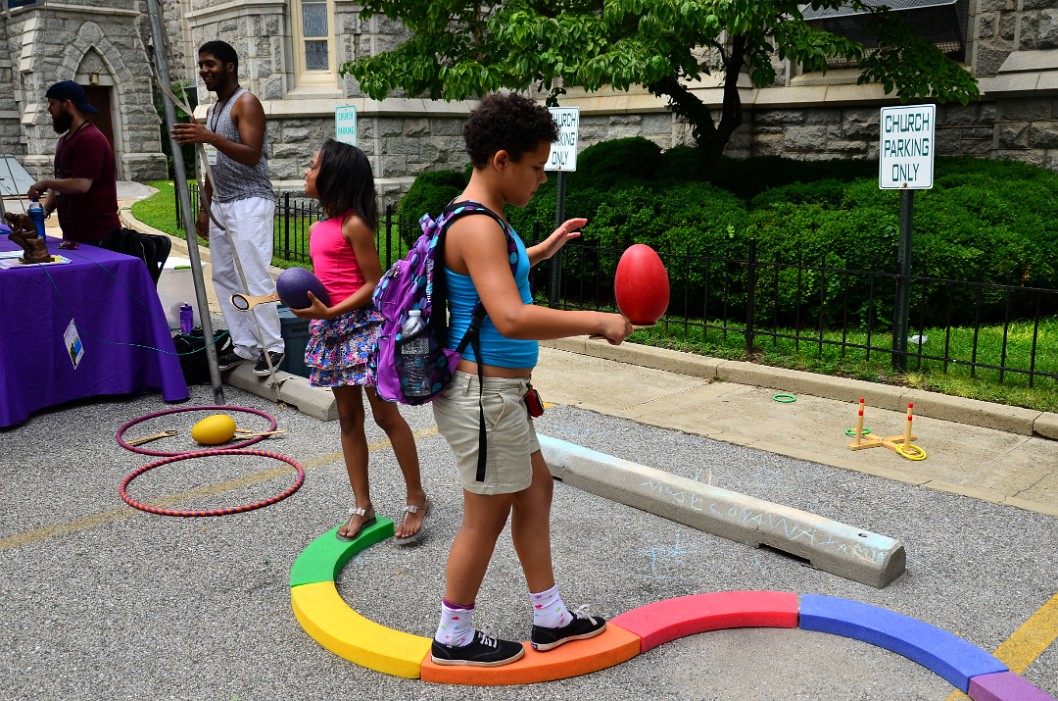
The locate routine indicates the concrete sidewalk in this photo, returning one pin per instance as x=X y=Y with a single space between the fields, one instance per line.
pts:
x=1005 y=455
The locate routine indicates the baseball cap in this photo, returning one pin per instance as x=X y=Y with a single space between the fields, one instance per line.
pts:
x=69 y=90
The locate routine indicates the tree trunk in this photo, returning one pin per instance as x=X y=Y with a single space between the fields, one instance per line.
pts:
x=710 y=137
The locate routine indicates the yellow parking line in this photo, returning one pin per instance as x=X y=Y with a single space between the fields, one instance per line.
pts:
x=1026 y=643
x=115 y=515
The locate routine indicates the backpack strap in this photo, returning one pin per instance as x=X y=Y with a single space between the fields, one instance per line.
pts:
x=453 y=211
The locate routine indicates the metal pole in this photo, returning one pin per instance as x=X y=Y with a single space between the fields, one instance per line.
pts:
x=902 y=303
x=180 y=184
x=556 y=260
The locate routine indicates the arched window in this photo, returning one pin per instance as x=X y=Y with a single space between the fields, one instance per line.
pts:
x=313 y=23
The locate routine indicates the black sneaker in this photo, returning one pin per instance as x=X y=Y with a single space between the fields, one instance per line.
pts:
x=230 y=360
x=261 y=369
x=581 y=627
x=482 y=651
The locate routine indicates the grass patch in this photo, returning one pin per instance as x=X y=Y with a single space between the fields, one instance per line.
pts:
x=159 y=211
x=957 y=377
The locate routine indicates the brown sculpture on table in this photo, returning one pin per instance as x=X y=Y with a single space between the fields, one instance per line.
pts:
x=24 y=233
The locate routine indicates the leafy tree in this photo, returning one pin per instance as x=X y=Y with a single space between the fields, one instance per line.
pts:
x=459 y=49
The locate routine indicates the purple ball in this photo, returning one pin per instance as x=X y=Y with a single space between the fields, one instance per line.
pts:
x=293 y=284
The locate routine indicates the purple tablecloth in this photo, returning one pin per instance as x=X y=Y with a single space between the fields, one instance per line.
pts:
x=128 y=348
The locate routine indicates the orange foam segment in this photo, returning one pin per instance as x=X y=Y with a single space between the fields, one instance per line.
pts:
x=614 y=646
x=667 y=620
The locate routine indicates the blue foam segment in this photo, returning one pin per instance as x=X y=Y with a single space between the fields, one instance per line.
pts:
x=937 y=650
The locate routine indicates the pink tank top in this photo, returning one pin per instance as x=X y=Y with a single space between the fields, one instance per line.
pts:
x=334 y=261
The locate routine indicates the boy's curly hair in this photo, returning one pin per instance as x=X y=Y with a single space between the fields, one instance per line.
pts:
x=507 y=122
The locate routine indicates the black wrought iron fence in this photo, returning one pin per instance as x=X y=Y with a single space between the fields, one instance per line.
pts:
x=296 y=213
x=758 y=305
x=793 y=304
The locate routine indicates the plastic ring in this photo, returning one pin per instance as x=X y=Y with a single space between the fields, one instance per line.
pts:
x=119 y=437
x=210 y=512
x=784 y=398
x=915 y=453
x=851 y=432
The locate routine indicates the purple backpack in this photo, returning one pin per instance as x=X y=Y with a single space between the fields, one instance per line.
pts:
x=417 y=282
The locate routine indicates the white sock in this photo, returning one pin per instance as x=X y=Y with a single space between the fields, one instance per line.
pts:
x=455 y=629
x=548 y=609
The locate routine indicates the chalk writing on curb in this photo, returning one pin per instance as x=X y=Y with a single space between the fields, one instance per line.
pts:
x=814 y=534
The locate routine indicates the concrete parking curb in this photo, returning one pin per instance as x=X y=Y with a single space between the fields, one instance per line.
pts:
x=833 y=547
x=317 y=402
x=973 y=412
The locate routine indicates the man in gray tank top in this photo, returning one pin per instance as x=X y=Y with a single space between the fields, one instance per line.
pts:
x=242 y=201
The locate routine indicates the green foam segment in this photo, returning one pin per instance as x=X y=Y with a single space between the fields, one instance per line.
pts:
x=325 y=557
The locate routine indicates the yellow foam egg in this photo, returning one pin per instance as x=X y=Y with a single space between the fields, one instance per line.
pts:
x=213 y=430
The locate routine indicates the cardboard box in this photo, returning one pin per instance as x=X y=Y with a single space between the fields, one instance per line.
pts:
x=176 y=286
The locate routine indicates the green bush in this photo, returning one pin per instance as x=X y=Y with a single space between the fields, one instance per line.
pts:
x=749 y=177
x=428 y=194
x=680 y=164
x=611 y=163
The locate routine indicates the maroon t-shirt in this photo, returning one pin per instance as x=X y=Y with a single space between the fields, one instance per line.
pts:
x=86 y=153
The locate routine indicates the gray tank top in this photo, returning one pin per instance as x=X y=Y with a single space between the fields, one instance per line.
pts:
x=233 y=180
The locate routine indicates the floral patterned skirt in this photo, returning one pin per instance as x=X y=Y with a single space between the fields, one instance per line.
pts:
x=338 y=350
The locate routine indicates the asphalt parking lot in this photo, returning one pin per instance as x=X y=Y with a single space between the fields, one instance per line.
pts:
x=106 y=601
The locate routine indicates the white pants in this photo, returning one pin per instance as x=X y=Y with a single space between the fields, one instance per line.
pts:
x=249 y=223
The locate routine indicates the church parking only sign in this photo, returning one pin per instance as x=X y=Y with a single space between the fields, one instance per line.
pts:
x=563 y=156
x=905 y=156
x=345 y=125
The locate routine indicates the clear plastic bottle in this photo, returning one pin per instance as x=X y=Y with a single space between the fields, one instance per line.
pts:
x=36 y=213
x=414 y=380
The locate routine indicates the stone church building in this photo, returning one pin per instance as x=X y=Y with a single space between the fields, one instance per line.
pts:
x=291 y=51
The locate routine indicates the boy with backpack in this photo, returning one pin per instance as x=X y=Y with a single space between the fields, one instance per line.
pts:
x=484 y=412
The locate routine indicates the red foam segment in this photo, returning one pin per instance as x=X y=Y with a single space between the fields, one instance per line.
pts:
x=614 y=646
x=667 y=620
x=1005 y=686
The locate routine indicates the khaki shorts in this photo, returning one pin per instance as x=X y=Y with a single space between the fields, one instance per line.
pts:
x=511 y=436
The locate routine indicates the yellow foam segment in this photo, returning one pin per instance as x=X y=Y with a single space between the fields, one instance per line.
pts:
x=329 y=621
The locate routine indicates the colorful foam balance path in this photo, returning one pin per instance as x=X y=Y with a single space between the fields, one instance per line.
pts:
x=667 y=620
x=937 y=650
x=328 y=619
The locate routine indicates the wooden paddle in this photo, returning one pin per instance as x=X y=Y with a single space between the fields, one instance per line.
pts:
x=245 y=303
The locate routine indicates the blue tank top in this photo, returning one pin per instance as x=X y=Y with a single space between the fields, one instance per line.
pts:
x=496 y=349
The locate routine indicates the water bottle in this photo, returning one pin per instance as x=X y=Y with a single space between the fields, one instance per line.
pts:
x=414 y=380
x=187 y=318
x=36 y=213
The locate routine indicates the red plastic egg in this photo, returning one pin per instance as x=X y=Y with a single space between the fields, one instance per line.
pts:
x=641 y=285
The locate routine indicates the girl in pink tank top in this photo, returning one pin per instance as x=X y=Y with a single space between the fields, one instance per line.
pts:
x=341 y=336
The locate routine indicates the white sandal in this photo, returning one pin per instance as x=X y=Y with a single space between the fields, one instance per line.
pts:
x=356 y=511
x=419 y=534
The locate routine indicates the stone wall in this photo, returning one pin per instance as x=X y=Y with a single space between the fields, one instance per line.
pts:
x=86 y=41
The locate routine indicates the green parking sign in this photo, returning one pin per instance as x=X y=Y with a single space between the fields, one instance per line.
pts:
x=345 y=125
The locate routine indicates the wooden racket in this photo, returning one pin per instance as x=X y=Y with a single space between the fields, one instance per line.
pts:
x=243 y=433
x=245 y=303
